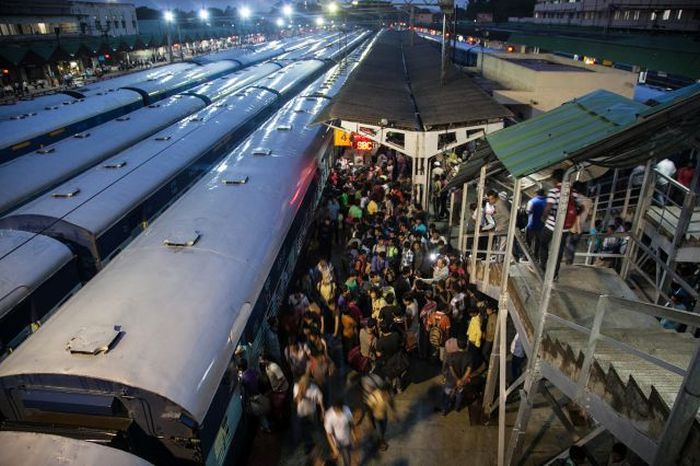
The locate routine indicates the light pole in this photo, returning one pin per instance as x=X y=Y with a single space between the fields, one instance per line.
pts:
x=169 y=17
x=245 y=14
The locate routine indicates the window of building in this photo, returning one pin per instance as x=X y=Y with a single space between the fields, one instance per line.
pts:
x=666 y=15
x=626 y=15
x=636 y=15
x=653 y=15
x=133 y=23
x=397 y=139
x=116 y=24
x=679 y=14
x=123 y=24
x=446 y=139
x=617 y=14
x=98 y=25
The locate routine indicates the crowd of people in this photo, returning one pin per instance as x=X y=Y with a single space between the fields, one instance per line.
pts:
x=381 y=289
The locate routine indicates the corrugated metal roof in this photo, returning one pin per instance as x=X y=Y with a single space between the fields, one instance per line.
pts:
x=401 y=83
x=552 y=137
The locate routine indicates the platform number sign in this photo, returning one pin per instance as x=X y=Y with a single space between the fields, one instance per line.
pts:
x=342 y=138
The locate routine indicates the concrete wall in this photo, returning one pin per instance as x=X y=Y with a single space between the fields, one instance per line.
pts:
x=546 y=90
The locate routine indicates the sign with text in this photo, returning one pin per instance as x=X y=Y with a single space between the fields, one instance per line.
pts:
x=341 y=138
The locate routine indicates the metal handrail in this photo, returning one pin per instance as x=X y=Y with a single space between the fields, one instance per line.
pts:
x=674 y=182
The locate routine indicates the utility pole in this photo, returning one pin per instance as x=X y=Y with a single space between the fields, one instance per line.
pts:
x=447 y=7
x=412 y=23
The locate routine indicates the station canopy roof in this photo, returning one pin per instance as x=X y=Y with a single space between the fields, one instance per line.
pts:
x=601 y=128
x=400 y=83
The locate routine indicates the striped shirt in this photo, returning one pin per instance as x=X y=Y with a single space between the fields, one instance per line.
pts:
x=553 y=203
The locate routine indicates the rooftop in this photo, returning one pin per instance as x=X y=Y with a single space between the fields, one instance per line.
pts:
x=538 y=64
x=401 y=84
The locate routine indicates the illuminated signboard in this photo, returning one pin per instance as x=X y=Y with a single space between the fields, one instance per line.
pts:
x=362 y=143
x=341 y=138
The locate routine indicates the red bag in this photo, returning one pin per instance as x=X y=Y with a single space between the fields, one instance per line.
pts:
x=571 y=212
x=358 y=362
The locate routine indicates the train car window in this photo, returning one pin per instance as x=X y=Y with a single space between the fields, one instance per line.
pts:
x=73 y=403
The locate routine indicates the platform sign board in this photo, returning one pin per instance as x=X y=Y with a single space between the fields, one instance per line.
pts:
x=362 y=143
x=341 y=138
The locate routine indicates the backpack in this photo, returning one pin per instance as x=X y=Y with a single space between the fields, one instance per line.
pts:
x=435 y=335
x=571 y=212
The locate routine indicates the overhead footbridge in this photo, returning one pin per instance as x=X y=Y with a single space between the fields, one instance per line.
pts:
x=594 y=330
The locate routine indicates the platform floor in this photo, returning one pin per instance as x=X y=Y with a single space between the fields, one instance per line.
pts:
x=419 y=435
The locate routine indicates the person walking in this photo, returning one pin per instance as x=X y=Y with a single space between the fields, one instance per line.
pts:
x=340 y=433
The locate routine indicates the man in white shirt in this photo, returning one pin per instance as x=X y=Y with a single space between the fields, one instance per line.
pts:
x=308 y=400
x=667 y=168
x=338 y=423
x=278 y=382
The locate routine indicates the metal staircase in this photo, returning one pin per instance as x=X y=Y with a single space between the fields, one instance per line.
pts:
x=605 y=351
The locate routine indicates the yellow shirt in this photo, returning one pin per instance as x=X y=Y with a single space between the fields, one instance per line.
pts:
x=474 y=331
x=372 y=207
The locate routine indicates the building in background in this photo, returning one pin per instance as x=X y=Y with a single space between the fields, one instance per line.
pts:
x=530 y=84
x=661 y=15
x=51 y=19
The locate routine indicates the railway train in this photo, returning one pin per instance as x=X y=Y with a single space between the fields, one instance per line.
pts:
x=32 y=449
x=142 y=357
x=27 y=176
x=95 y=104
x=97 y=212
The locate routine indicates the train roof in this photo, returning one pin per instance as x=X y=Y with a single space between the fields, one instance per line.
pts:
x=33 y=449
x=102 y=195
x=26 y=260
x=183 y=309
x=133 y=77
x=32 y=173
x=71 y=111
x=20 y=107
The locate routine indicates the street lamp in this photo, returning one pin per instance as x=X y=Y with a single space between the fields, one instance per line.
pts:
x=280 y=22
x=287 y=10
x=169 y=17
x=332 y=8
x=319 y=21
x=203 y=14
x=245 y=12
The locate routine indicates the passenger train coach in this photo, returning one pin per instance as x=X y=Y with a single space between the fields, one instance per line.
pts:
x=96 y=213
x=87 y=107
x=142 y=357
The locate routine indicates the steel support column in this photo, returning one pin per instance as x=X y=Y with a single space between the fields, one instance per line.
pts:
x=645 y=194
x=502 y=320
x=477 y=221
x=682 y=416
x=461 y=244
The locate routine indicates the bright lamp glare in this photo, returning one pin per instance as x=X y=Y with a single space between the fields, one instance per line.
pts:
x=355 y=2
x=245 y=12
x=203 y=14
x=169 y=16
x=333 y=7
x=280 y=22
x=287 y=10
x=319 y=21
